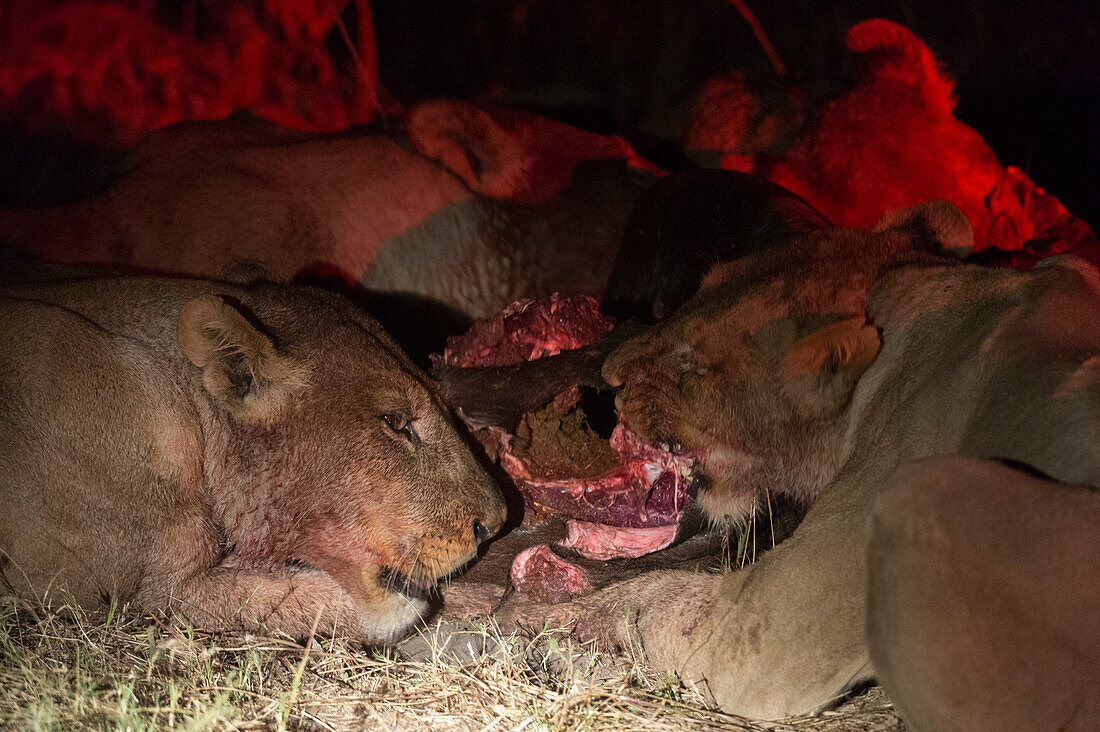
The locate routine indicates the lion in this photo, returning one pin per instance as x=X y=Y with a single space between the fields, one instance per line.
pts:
x=467 y=210
x=814 y=369
x=982 y=595
x=844 y=155
x=250 y=456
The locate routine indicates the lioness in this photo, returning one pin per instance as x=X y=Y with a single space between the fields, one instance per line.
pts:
x=814 y=369
x=249 y=456
x=487 y=226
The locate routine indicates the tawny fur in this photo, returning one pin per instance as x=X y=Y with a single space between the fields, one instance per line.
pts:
x=544 y=212
x=990 y=363
x=982 y=597
x=222 y=452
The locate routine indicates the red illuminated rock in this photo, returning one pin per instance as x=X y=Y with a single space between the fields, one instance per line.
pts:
x=115 y=70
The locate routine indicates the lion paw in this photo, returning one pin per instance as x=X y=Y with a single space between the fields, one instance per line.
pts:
x=588 y=619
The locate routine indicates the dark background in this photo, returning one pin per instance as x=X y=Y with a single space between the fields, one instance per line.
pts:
x=1028 y=73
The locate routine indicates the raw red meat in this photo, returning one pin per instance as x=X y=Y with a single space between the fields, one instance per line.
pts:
x=647 y=489
x=629 y=509
x=528 y=329
x=600 y=541
x=543 y=576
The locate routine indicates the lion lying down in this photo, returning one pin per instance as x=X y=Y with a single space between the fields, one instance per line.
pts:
x=516 y=206
x=254 y=456
x=815 y=369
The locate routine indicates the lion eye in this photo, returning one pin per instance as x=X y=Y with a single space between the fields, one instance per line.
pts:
x=402 y=425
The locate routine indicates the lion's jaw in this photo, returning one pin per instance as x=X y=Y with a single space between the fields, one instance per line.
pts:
x=700 y=381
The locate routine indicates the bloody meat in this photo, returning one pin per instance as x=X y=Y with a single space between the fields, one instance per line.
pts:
x=620 y=497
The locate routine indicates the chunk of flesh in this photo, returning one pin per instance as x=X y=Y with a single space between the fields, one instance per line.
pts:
x=626 y=503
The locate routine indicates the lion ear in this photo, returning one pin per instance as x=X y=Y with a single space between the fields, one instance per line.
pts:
x=940 y=225
x=822 y=368
x=490 y=159
x=241 y=369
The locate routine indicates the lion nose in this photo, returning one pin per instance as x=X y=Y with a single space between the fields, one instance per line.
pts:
x=483 y=532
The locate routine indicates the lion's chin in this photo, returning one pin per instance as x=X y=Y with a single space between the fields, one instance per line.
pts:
x=392 y=603
x=391 y=616
x=395 y=580
x=718 y=496
x=389 y=601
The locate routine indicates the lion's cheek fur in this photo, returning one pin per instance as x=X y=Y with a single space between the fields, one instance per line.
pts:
x=728 y=490
x=285 y=505
x=268 y=528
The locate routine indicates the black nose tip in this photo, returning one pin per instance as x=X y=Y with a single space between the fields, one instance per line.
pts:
x=481 y=533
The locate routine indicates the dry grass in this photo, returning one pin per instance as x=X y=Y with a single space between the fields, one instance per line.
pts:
x=66 y=669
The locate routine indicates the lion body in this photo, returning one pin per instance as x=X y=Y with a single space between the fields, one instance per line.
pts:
x=815 y=369
x=982 y=597
x=985 y=363
x=196 y=197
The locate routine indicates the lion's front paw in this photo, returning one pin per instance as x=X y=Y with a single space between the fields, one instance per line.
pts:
x=525 y=614
x=592 y=618
x=465 y=600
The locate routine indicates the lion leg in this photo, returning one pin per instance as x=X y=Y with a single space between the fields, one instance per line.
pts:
x=782 y=637
x=984 y=604
x=625 y=615
x=290 y=602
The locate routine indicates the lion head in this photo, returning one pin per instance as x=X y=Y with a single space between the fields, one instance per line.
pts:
x=335 y=451
x=753 y=374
